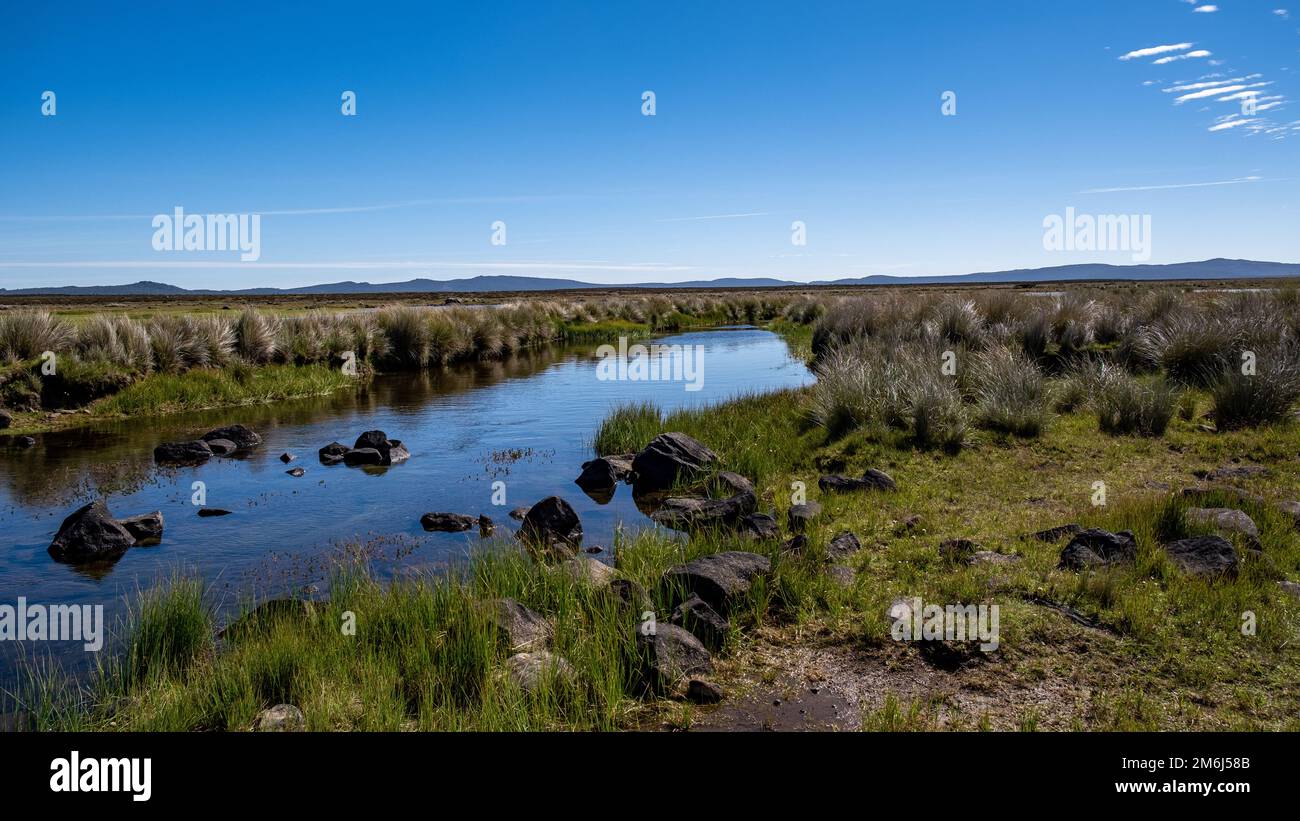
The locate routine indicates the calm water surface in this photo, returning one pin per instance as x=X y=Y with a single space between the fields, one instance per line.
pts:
x=527 y=421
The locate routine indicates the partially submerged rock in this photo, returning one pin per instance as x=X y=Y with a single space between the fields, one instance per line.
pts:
x=213 y=511
x=695 y=513
x=552 y=522
x=446 y=522
x=222 y=447
x=333 y=453
x=90 y=534
x=244 y=437
x=597 y=475
x=146 y=528
x=182 y=453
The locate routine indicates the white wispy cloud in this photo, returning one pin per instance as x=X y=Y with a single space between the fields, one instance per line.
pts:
x=1151 y=51
x=1237 y=181
x=1283 y=13
x=1233 y=122
x=1206 y=9
x=1186 y=56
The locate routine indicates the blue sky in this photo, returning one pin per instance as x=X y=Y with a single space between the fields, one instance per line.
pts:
x=766 y=113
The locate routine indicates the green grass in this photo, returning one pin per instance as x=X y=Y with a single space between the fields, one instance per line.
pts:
x=199 y=389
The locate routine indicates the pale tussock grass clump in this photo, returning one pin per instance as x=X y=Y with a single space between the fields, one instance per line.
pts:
x=1128 y=405
x=28 y=334
x=1266 y=396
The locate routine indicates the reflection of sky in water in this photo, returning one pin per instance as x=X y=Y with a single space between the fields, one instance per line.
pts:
x=545 y=405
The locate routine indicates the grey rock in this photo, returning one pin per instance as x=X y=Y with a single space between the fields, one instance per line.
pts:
x=221 y=447
x=446 y=522
x=282 y=718
x=552 y=522
x=534 y=671
x=1290 y=588
x=146 y=528
x=523 y=629
x=182 y=453
x=1055 y=534
x=296 y=472
x=1291 y=509
x=843 y=544
x=586 y=570
x=1204 y=556
x=720 y=579
x=244 y=437
x=701 y=621
x=89 y=534
x=699 y=691
x=841 y=574
x=670 y=457
x=629 y=594
x=695 y=513
x=797 y=543
x=391 y=451
x=728 y=483
x=872 y=479
x=1224 y=520
x=670 y=655
x=800 y=516
x=759 y=526
x=287 y=457
x=333 y=453
x=1098 y=548
x=519 y=513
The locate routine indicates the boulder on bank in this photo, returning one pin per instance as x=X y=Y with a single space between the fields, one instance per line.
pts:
x=872 y=479
x=701 y=621
x=447 y=522
x=1292 y=509
x=1098 y=548
x=799 y=517
x=6 y=419
x=182 y=453
x=89 y=534
x=588 y=571
x=521 y=628
x=669 y=457
x=720 y=579
x=146 y=529
x=1225 y=520
x=551 y=522
x=244 y=437
x=532 y=671
x=669 y=656
x=282 y=718
x=699 y=691
x=843 y=545
x=695 y=513
x=1204 y=556
x=1055 y=534
x=758 y=526
x=728 y=483
x=957 y=550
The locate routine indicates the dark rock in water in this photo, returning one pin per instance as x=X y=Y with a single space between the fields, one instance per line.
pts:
x=6 y=419
x=521 y=628
x=519 y=513
x=245 y=438
x=146 y=529
x=720 y=578
x=597 y=475
x=333 y=453
x=551 y=522
x=363 y=456
x=295 y=472
x=800 y=516
x=213 y=511
x=630 y=594
x=446 y=522
x=1205 y=556
x=24 y=442
x=90 y=533
x=699 y=691
x=1055 y=534
x=957 y=550
x=872 y=479
x=1225 y=520
x=694 y=513
x=758 y=526
x=282 y=718
x=669 y=457
x=727 y=483
x=289 y=457
x=622 y=465
x=843 y=544
x=534 y=670
x=1098 y=548
x=701 y=621
x=797 y=543
x=485 y=526
x=391 y=451
x=182 y=453
x=221 y=447
x=669 y=656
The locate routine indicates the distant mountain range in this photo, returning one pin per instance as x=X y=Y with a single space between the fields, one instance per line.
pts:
x=1207 y=269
